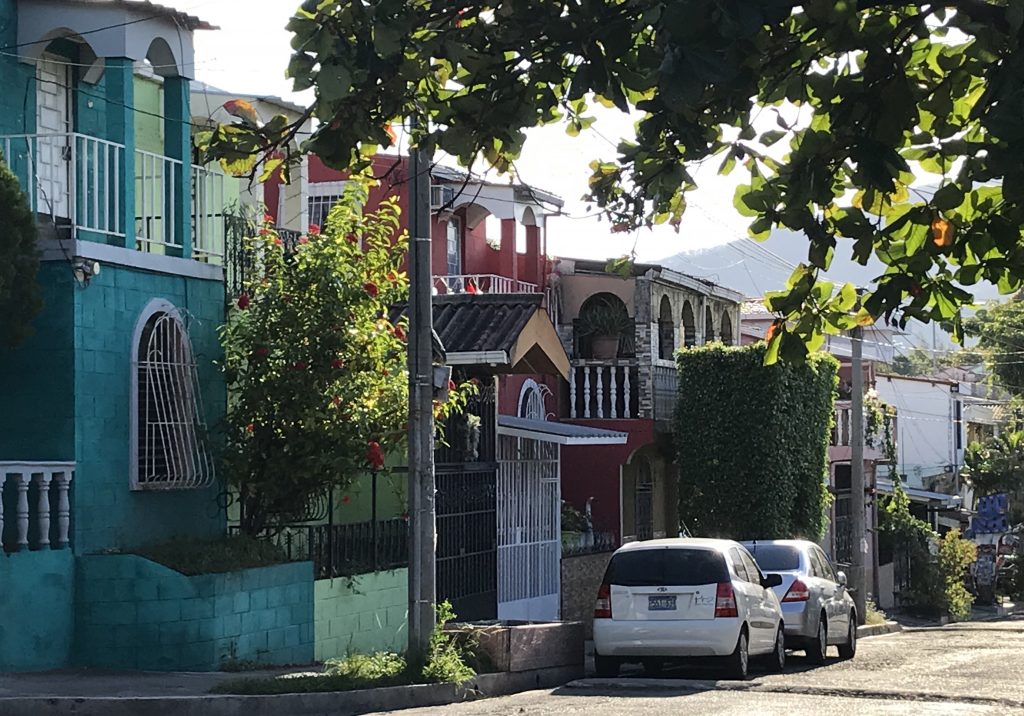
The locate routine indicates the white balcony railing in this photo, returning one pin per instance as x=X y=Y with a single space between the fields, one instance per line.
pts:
x=481 y=283
x=842 y=430
x=208 y=205
x=156 y=181
x=72 y=178
x=77 y=181
x=604 y=390
x=36 y=487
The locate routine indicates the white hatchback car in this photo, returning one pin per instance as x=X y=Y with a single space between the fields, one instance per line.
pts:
x=679 y=598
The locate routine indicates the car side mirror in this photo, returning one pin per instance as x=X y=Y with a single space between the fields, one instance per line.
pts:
x=841 y=578
x=771 y=580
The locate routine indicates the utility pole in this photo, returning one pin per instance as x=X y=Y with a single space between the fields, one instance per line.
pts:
x=422 y=527
x=858 y=535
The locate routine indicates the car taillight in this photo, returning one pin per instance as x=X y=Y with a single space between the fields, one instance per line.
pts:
x=798 y=592
x=725 y=600
x=603 y=605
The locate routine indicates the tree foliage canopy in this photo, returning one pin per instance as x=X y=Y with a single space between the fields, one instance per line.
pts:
x=829 y=109
x=19 y=260
x=752 y=443
x=315 y=369
x=997 y=465
x=1000 y=332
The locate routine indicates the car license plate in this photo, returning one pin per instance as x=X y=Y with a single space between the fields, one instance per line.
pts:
x=661 y=604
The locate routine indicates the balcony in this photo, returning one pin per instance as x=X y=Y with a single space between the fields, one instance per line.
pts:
x=842 y=435
x=604 y=389
x=36 y=494
x=492 y=283
x=76 y=182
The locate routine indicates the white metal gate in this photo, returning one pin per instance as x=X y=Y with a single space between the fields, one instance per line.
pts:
x=529 y=529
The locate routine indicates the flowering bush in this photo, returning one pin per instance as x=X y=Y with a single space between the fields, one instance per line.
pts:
x=316 y=370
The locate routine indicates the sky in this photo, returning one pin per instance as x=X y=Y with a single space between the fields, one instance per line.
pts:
x=249 y=55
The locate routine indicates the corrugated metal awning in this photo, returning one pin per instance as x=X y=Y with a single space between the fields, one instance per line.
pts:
x=560 y=433
x=918 y=495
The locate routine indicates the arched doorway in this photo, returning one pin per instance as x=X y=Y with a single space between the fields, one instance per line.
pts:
x=689 y=326
x=709 y=325
x=726 y=333
x=666 y=330
x=604 y=329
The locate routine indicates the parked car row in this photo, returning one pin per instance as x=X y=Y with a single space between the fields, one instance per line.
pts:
x=685 y=598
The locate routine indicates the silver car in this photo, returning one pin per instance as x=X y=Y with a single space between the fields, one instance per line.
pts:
x=816 y=605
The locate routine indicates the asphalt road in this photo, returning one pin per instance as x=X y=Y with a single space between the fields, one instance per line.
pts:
x=973 y=668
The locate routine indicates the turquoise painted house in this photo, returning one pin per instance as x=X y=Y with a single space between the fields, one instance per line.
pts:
x=109 y=413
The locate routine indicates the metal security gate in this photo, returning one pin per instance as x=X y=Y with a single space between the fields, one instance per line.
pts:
x=529 y=529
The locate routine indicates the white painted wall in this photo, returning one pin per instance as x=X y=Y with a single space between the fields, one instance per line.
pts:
x=925 y=426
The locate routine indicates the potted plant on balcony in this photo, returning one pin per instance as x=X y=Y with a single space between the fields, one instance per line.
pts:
x=605 y=324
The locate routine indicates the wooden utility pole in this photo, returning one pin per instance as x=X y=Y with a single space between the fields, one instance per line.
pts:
x=858 y=535
x=422 y=526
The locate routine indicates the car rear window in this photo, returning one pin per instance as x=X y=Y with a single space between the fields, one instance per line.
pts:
x=775 y=557
x=666 y=567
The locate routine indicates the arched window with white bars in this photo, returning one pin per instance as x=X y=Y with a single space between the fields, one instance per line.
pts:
x=531 y=400
x=168 y=433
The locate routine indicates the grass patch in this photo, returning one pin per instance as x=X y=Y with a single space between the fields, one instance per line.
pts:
x=446 y=664
x=874 y=615
x=192 y=556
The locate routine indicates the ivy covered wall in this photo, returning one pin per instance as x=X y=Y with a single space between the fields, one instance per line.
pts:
x=752 y=443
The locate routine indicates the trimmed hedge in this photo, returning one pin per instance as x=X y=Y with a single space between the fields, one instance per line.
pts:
x=752 y=443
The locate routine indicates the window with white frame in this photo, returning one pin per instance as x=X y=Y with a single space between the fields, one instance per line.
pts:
x=322 y=198
x=168 y=436
x=454 y=244
x=531 y=400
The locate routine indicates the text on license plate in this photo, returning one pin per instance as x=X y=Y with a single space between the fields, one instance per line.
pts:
x=661 y=604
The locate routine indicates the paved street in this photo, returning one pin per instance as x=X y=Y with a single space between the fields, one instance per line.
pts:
x=973 y=668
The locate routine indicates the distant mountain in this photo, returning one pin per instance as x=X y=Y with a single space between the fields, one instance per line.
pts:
x=754 y=268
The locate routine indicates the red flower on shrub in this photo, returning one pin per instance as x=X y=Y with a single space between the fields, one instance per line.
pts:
x=303 y=239
x=337 y=364
x=243 y=301
x=451 y=385
x=314 y=229
x=345 y=500
x=278 y=242
x=336 y=399
x=374 y=455
x=352 y=238
x=264 y=231
x=250 y=428
x=268 y=219
x=371 y=289
x=300 y=365
x=392 y=276
x=262 y=352
x=399 y=333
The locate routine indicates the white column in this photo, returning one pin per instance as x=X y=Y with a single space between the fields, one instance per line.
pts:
x=44 y=509
x=63 y=507
x=600 y=391
x=572 y=395
x=613 y=394
x=586 y=391
x=23 y=479
x=625 y=392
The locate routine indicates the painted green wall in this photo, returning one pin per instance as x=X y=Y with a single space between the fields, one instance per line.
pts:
x=361 y=615
x=37 y=378
x=149 y=124
x=36 y=609
x=17 y=80
x=132 y=613
x=107 y=514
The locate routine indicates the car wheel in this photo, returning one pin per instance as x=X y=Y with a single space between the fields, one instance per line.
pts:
x=606 y=667
x=849 y=649
x=738 y=663
x=817 y=650
x=777 y=659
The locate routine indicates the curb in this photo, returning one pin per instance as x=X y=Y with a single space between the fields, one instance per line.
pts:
x=336 y=703
x=889 y=627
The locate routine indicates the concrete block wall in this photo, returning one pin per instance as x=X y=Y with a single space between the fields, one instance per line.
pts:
x=362 y=615
x=132 y=613
x=37 y=591
x=107 y=513
x=581 y=576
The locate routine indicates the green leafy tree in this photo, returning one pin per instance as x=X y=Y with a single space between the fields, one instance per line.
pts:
x=752 y=443
x=999 y=328
x=828 y=109
x=316 y=371
x=19 y=260
x=997 y=465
